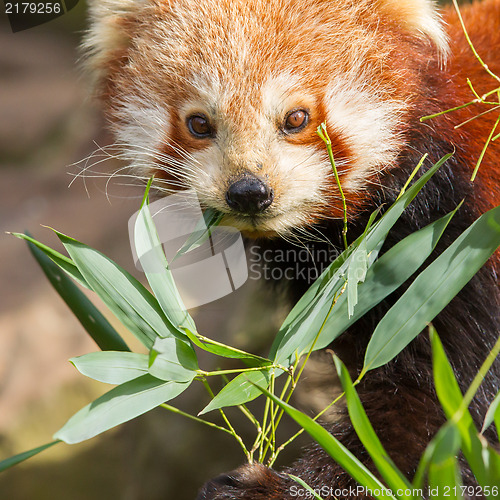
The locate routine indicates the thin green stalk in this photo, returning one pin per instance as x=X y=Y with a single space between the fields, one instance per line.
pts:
x=264 y=433
x=456 y=108
x=299 y=432
x=334 y=301
x=256 y=443
x=481 y=156
x=469 y=83
x=276 y=417
x=173 y=409
x=413 y=174
x=471 y=45
x=306 y=486
x=482 y=99
x=228 y=372
x=322 y=132
x=477 y=116
x=269 y=428
x=478 y=379
x=250 y=416
x=243 y=408
x=296 y=379
x=230 y=427
x=291 y=374
x=274 y=411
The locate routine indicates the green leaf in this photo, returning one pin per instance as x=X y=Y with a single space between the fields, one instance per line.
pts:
x=96 y=325
x=225 y=351
x=305 y=319
x=128 y=299
x=58 y=258
x=433 y=289
x=112 y=367
x=154 y=263
x=121 y=404
x=388 y=470
x=493 y=413
x=16 y=459
x=173 y=359
x=444 y=473
x=483 y=460
x=384 y=277
x=239 y=391
x=202 y=231
x=445 y=444
x=380 y=229
x=299 y=336
x=357 y=470
x=356 y=273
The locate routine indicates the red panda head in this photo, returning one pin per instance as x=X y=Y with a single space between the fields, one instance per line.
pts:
x=225 y=96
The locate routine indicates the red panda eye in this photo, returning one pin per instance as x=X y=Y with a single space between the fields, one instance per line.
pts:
x=199 y=126
x=296 y=120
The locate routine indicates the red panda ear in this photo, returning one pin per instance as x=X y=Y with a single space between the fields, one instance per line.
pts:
x=420 y=16
x=108 y=33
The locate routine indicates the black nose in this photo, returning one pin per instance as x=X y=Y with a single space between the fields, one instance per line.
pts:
x=249 y=195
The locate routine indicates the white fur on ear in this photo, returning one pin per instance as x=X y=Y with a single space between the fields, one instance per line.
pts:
x=106 y=33
x=419 y=15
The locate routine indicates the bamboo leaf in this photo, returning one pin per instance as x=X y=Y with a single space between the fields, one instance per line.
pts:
x=239 y=391
x=225 y=351
x=305 y=319
x=150 y=251
x=385 y=276
x=356 y=273
x=61 y=260
x=96 y=325
x=493 y=414
x=112 y=367
x=16 y=459
x=433 y=289
x=128 y=299
x=121 y=404
x=211 y=218
x=173 y=359
x=388 y=470
x=306 y=486
x=444 y=474
x=335 y=449
x=483 y=460
x=445 y=443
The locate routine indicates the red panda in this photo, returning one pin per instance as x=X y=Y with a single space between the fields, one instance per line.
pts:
x=224 y=97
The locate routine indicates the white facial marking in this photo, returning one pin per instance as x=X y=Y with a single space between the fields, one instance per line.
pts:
x=370 y=126
x=143 y=136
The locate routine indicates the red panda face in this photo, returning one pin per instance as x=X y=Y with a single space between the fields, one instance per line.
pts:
x=225 y=98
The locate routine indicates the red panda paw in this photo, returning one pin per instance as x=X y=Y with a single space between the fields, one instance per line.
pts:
x=249 y=482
